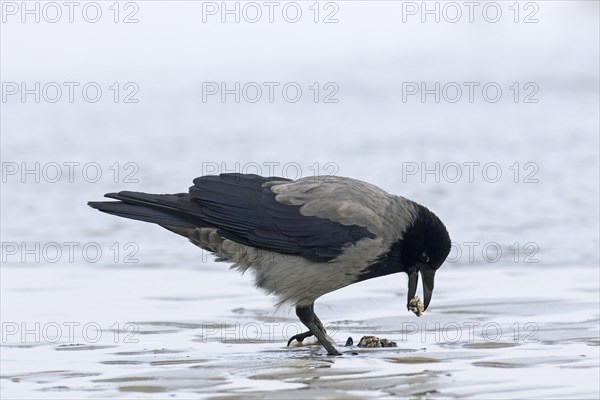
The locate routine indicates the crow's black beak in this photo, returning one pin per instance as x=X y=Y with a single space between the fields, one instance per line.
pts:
x=428 y=280
x=428 y=276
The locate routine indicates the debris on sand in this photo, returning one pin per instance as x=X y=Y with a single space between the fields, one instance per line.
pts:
x=374 y=341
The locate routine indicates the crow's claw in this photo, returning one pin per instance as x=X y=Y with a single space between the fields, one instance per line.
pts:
x=300 y=337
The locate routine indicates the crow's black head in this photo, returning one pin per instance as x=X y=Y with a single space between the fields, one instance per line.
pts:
x=423 y=248
x=426 y=241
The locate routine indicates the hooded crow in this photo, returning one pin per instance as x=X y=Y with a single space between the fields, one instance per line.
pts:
x=301 y=238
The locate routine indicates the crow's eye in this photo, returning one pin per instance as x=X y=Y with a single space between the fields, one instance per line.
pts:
x=424 y=258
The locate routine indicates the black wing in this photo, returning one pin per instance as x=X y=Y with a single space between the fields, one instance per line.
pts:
x=245 y=212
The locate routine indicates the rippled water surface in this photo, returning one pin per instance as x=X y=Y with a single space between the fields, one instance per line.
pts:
x=186 y=337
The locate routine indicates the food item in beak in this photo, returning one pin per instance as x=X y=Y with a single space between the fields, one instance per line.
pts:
x=416 y=305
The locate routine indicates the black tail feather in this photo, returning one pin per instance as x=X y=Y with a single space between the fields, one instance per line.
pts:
x=168 y=210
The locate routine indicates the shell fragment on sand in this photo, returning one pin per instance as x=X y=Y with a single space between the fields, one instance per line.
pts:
x=374 y=341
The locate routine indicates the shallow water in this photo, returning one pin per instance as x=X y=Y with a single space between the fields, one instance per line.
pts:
x=186 y=337
x=94 y=306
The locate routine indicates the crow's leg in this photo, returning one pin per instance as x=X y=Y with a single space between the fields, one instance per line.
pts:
x=307 y=317
x=301 y=336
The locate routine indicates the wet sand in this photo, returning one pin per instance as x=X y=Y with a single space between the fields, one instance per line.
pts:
x=194 y=337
